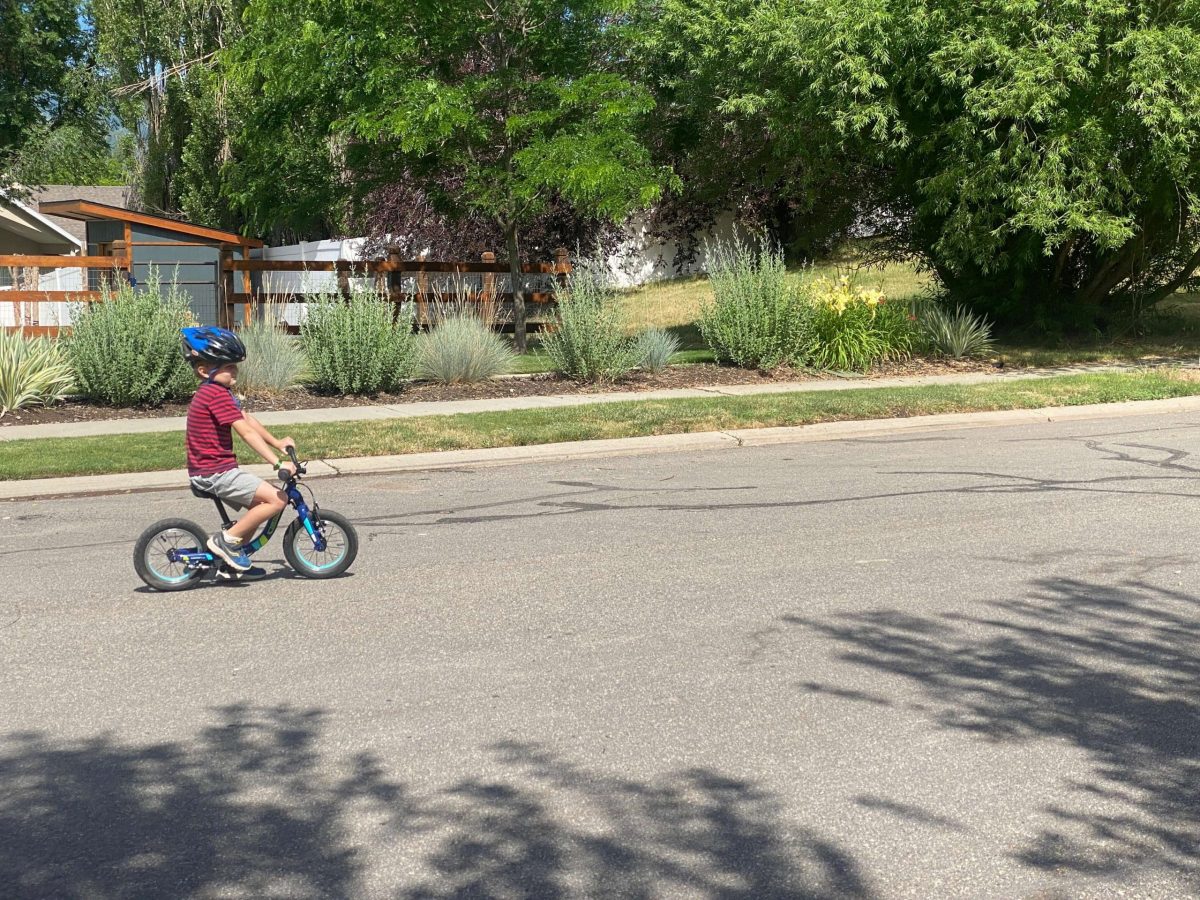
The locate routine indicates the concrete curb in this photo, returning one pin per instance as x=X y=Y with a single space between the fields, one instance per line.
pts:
x=98 y=485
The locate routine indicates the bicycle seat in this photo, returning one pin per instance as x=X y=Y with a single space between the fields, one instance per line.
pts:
x=203 y=495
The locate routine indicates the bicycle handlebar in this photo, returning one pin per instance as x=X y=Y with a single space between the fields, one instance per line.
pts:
x=284 y=476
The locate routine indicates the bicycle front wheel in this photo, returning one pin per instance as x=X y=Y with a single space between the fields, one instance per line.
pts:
x=341 y=545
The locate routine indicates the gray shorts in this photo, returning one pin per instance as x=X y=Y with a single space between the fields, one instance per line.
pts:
x=235 y=487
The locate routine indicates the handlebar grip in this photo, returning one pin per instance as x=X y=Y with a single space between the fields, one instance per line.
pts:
x=291 y=452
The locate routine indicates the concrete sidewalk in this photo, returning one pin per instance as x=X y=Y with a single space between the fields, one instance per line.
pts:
x=94 y=485
x=454 y=407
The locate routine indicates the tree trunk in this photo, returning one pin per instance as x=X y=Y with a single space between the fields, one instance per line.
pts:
x=518 y=290
x=1115 y=270
x=1177 y=282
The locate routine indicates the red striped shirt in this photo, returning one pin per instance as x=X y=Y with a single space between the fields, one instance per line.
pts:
x=209 y=436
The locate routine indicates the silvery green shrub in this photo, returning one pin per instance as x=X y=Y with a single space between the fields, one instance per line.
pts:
x=587 y=340
x=656 y=346
x=358 y=345
x=125 y=347
x=274 y=359
x=758 y=317
x=462 y=348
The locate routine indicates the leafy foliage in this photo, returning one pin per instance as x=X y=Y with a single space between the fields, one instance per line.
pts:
x=715 y=125
x=41 y=44
x=33 y=372
x=587 y=340
x=49 y=91
x=655 y=347
x=1044 y=170
x=462 y=348
x=71 y=154
x=124 y=348
x=758 y=317
x=956 y=334
x=494 y=109
x=854 y=328
x=159 y=54
x=358 y=345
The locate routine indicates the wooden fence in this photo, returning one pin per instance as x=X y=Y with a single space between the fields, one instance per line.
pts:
x=247 y=283
x=23 y=298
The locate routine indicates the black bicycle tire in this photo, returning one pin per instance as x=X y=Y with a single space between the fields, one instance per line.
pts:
x=139 y=554
x=298 y=565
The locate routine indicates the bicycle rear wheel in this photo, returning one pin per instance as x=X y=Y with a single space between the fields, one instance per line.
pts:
x=151 y=554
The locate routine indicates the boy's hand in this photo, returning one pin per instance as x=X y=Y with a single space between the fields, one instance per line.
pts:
x=286 y=442
x=288 y=467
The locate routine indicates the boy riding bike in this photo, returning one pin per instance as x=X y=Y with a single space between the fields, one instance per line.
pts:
x=213 y=415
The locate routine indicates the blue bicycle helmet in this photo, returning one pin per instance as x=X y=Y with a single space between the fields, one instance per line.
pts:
x=218 y=346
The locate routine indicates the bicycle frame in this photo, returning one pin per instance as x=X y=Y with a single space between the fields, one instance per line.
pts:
x=199 y=557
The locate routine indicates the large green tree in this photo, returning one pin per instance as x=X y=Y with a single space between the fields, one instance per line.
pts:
x=1046 y=153
x=50 y=94
x=73 y=154
x=495 y=107
x=726 y=120
x=159 y=56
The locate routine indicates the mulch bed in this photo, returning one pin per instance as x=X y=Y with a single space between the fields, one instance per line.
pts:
x=698 y=375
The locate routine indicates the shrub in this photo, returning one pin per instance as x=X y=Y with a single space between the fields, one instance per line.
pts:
x=33 y=372
x=655 y=348
x=588 y=341
x=274 y=359
x=955 y=334
x=125 y=347
x=358 y=345
x=758 y=317
x=463 y=348
x=855 y=328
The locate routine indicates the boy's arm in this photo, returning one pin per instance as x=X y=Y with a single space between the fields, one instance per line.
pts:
x=259 y=439
x=278 y=444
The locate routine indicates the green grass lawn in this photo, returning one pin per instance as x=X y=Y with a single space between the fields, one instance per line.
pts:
x=675 y=305
x=150 y=452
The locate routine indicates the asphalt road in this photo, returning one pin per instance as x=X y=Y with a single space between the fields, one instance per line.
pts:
x=954 y=664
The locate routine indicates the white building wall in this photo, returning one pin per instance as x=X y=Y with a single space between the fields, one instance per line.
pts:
x=640 y=259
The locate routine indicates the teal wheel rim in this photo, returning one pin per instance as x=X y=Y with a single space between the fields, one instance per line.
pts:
x=336 y=546
x=157 y=557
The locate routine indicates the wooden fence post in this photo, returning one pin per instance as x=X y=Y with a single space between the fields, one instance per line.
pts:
x=394 y=279
x=121 y=253
x=489 y=277
x=343 y=282
x=248 y=288
x=562 y=268
x=422 y=292
x=381 y=279
x=225 y=298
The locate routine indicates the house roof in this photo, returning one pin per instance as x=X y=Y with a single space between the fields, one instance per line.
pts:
x=21 y=221
x=109 y=195
x=88 y=211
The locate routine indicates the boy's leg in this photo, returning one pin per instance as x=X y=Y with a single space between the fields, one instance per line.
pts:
x=268 y=502
x=260 y=500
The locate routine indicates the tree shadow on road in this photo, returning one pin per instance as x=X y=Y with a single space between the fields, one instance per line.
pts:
x=1112 y=670
x=252 y=807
